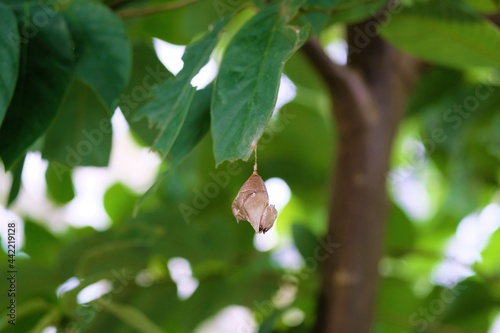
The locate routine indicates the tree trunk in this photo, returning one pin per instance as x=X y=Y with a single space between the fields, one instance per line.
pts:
x=368 y=100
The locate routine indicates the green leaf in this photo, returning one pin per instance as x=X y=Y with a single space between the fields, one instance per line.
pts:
x=322 y=3
x=490 y=263
x=18 y=2
x=433 y=87
x=300 y=70
x=484 y=6
x=345 y=11
x=82 y=132
x=172 y=98
x=17 y=172
x=119 y=202
x=103 y=258
x=251 y=285
x=469 y=39
x=34 y=279
x=467 y=305
x=317 y=20
x=348 y=11
x=33 y=305
x=40 y=244
x=47 y=61
x=305 y=240
x=49 y=319
x=59 y=183
x=195 y=127
x=268 y=325
x=180 y=26
x=159 y=302
x=28 y=313
x=147 y=73
x=9 y=57
x=247 y=85
x=400 y=235
x=395 y=299
x=103 y=52
x=150 y=192
x=131 y=316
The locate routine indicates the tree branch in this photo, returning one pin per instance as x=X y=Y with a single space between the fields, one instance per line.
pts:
x=125 y=14
x=368 y=99
x=346 y=87
x=338 y=8
x=115 y=5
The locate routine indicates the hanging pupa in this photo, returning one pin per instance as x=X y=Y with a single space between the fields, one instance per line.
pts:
x=252 y=203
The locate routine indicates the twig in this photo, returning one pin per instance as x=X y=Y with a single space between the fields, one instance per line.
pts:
x=155 y=9
x=115 y=5
x=345 y=85
x=339 y=8
x=255 y=164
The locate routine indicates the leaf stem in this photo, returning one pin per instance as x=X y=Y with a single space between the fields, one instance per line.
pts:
x=255 y=164
x=347 y=6
x=115 y=5
x=130 y=13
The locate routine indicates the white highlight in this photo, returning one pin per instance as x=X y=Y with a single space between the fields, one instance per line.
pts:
x=171 y=57
x=279 y=192
x=286 y=93
x=288 y=257
x=412 y=195
x=5 y=184
x=408 y=183
x=6 y=217
x=293 y=317
x=285 y=296
x=464 y=249
x=267 y=241
x=495 y=328
x=87 y=208
x=234 y=319
x=337 y=51
x=206 y=75
x=129 y=164
x=68 y=285
x=181 y=273
x=279 y=195
x=32 y=199
x=33 y=176
x=94 y=291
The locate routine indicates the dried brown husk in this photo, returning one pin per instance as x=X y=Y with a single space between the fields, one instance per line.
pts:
x=252 y=205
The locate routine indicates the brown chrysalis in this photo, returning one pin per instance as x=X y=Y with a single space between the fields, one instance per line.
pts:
x=252 y=204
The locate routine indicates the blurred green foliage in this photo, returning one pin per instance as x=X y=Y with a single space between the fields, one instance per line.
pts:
x=59 y=88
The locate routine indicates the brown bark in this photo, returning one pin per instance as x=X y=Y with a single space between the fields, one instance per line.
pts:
x=368 y=98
